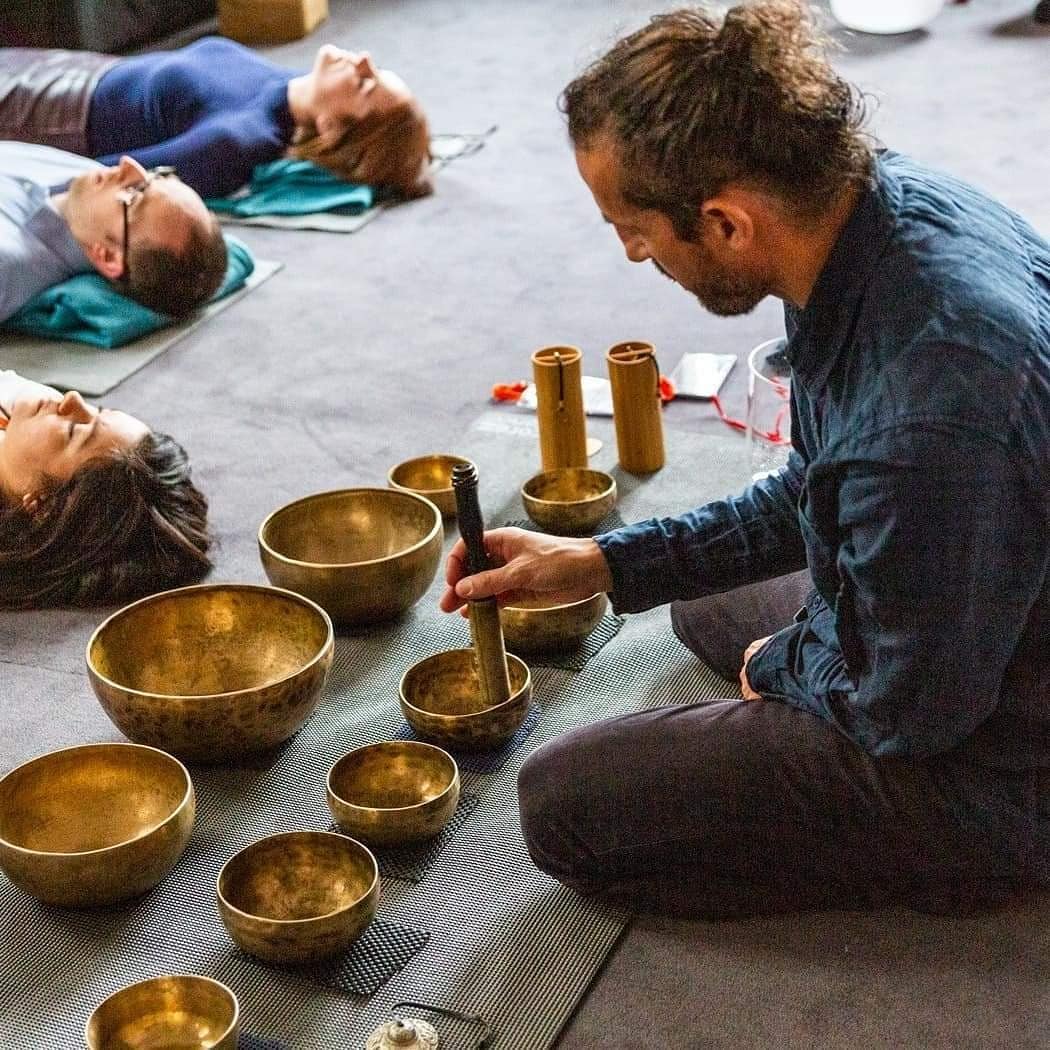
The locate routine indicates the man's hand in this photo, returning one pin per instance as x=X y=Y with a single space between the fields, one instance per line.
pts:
x=528 y=564
x=745 y=685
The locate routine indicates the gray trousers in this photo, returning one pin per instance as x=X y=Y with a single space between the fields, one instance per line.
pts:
x=729 y=808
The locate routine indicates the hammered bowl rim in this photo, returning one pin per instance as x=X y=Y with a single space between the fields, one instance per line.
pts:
x=251 y=916
x=559 y=607
x=231 y=1027
x=514 y=698
x=326 y=566
x=188 y=798
x=416 y=806
x=322 y=653
x=400 y=486
x=552 y=503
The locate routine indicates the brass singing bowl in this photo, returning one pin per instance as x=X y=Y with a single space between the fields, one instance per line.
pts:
x=213 y=671
x=441 y=700
x=569 y=500
x=178 y=1012
x=395 y=792
x=431 y=477
x=94 y=824
x=300 y=896
x=366 y=555
x=538 y=625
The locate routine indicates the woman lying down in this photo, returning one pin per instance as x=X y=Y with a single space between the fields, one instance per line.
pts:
x=214 y=110
x=95 y=507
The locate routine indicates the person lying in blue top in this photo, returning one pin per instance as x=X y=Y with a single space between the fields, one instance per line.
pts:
x=214 y=110
x=146 y=232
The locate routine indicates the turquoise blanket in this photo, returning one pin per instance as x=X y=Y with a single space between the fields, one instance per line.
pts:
x=87 y=309
x=294 y=187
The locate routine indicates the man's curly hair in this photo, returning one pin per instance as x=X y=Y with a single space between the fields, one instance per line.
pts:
x=695 y=101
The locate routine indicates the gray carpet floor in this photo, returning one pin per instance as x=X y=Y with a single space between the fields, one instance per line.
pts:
x=369 y=349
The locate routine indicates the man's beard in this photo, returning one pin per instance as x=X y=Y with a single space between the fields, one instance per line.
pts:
x=722 y=293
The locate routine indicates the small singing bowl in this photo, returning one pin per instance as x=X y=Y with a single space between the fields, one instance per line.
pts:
x=538 y=625
x=179 y=1012
x=300 y=896
x=569 y=500
x=441 y=700
x=365 y=555
x=213 y=671
x=431 y=477
x=94 y=824
x=395 y=792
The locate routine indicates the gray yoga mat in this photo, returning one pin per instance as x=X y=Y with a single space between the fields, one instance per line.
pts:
x=444 y=149
x=503 y=941
x=95 y=371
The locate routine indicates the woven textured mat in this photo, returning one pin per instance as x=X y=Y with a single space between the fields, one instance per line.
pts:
x=382 y=950
x=505 y=942
x=411 y=862
x=254 y=1042
x=576 y=659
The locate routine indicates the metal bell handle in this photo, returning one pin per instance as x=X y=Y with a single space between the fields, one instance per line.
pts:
x=485 y=1037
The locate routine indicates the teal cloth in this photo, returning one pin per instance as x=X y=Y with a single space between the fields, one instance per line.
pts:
x=294 y=187
x=87 y=309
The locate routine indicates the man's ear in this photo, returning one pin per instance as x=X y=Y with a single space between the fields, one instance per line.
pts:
x=730 y=223
x=108 y=260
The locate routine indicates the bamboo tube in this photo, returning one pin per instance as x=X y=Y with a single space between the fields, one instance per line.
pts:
x=558 y=374
x=635 y=379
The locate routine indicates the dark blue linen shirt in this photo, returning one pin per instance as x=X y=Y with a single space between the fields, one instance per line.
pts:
x=212 y=110
x=918 y=489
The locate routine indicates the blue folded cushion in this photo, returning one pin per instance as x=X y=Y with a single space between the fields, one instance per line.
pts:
x=294 y=187
x=87 y=309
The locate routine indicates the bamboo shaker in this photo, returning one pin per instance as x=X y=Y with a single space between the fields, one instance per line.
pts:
x=557 y=372
x=635 y=379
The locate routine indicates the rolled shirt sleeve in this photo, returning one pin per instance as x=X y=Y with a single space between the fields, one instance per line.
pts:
x=725 y=544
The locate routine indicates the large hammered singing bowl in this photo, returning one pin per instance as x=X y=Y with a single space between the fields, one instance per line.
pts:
x=95 y=824
x=394 y=792
x=175 y=1012
x=441 y=700
x=299 y=896
x=213 y=671
x=365 y=555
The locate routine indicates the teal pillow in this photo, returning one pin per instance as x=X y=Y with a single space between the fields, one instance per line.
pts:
x=87 y=309
x=294 y=187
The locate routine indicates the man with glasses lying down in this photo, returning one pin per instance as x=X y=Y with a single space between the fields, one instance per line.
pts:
x=146 y=232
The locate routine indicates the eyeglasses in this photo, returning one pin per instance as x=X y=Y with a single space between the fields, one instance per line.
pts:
x=127 y=195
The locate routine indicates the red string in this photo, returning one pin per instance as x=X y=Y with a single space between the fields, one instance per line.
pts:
x=775 y=436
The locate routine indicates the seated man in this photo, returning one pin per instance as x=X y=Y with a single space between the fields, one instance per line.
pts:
x=893 y=743
x=146 y=232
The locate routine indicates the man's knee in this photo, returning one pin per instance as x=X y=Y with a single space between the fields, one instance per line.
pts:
x=692 y=623
x=550 y=804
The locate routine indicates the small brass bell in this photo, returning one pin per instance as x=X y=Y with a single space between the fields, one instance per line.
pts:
x=408 y=1033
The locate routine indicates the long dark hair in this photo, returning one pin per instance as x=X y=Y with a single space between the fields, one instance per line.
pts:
x=694 y=101
x=121 y=527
